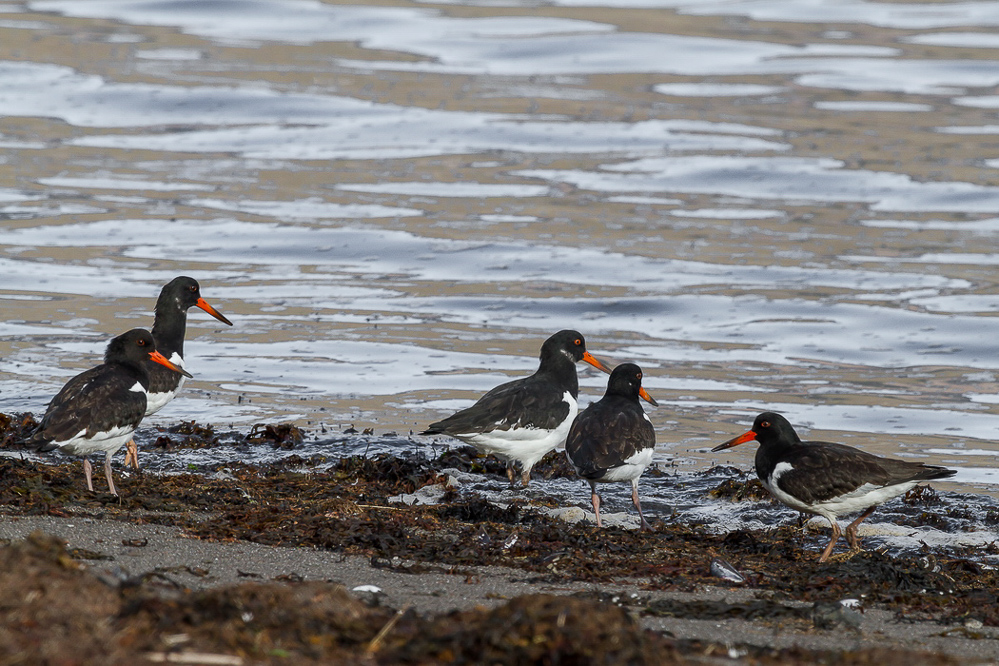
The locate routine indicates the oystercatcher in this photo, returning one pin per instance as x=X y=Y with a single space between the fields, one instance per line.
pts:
x=169 y=327
x=98 y=410
x=522 y=420
x=828 y=479
x=613 y=439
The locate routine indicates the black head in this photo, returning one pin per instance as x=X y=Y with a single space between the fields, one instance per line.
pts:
x=626 y=381
x=769 y=429
x=133 y=348
x=571 y=345
x=183 y=293
x=772 y=428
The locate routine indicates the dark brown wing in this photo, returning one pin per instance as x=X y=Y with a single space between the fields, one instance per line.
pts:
x=821 y=471
x=523 y=403
x=606 y=434
x=94 y=401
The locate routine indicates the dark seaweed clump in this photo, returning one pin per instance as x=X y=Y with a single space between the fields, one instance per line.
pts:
x=347 y=507
x=141 y=621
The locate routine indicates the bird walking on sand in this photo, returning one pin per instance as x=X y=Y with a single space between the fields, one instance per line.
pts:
x=99 y=409
x=613 y=439
x=828 y=479
x=169 y=327
x=522 y=420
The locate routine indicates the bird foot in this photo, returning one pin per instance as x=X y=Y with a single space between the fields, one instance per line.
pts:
x=843 y=557
x=132 y=454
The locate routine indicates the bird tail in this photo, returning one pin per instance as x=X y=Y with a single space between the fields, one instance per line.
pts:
x=39 y=442
x=935 y=472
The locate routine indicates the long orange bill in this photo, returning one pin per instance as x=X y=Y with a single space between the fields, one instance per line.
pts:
x=203 y=304
x=735 y=441
x=157 y=357
x=595 y=362
x=648 y=398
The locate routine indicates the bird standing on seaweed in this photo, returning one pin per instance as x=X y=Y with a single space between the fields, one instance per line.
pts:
x=828 y=479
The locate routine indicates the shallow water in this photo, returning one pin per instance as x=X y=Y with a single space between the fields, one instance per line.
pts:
x=781 y=205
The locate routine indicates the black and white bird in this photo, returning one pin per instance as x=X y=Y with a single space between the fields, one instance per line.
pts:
x=613 y=439
x=522 y=420
x=98 y=410
x=169 y=328
x=828 y=479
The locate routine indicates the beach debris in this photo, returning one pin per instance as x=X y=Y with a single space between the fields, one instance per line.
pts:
x=15 y=428
x=715 y=609
x=722 y=569
x=568 y=514
x=834 y=615
x=188 y=435
x=372 y=595
x=428 y=495
x=281 y=436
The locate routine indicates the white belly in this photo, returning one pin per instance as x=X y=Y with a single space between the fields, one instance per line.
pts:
x=631 y=469
x=102 y=442
x=526 y=445
x=863 y=497
x=157 y=401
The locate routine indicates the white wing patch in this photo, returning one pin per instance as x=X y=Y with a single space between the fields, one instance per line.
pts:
x=137 y=388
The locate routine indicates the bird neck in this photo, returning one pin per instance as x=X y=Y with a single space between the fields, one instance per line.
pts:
x=169 y=328
x=560 y=371
x=134 y=370
x=768 y=455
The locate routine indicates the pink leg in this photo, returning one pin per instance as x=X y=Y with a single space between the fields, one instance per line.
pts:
x=107 y=472
x=832 y=542
x=851 y=529
x=87 y=472
x=595 y=498
x=638 y=505
x=132 y=454
x=525 y=476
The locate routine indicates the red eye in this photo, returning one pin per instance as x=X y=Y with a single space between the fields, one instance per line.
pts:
x=577 y=342
x=193 y=288
x=141 y=343
x=638 y=376
x=765 y=424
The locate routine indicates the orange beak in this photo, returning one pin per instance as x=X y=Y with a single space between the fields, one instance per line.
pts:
x=157 y=357
x=735 y=441
x=648 y=398
x=203 y=304
x=595 y=362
